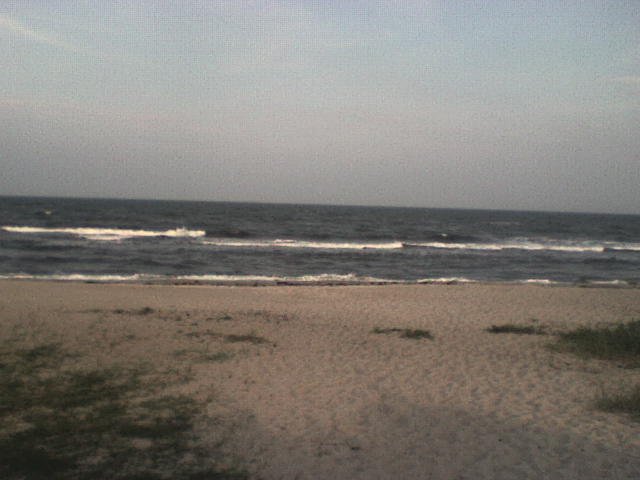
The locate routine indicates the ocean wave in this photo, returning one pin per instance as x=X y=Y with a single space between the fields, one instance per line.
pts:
x=79 y=277
x=349 y=278
x=540 y=281
x=444 y=242
x=106 y=234
x=324 y=278
x=558 y=246
x=319 y=279
x=609 y=283
x=445 y=280
x=567 y=247
x=280 y=243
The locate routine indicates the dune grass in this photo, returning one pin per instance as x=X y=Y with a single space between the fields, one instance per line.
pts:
x=516 y=329
x=203 y=355
x=415 y=334
x=69 y=423
x=619 y=342
x=616 y=342
x=246 y=338
x=628 y=402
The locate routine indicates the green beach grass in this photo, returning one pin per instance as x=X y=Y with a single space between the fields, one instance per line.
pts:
x=61 y=422
x=627 y=402
x=619 y=342
x=516 y=329
x=415 y=334
x=615 y=342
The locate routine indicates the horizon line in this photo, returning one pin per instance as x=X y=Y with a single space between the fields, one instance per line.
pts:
x=244 y=202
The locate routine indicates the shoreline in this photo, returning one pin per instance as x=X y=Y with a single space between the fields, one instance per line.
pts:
x=72 y=279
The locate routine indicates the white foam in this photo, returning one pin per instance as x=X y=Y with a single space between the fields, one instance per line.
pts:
x=539 y=281
x=320 y=278
x=533 y=246
x=325 y=278
x=569 y=247
x=446 y=280
x=78 y=277
x=107 y=234
x=285 y=243
x=350 y=278
x=116 y=234
x=608 y=282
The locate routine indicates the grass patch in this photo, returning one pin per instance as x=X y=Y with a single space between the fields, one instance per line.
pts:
x=384 y=331
x=415 y=334
x=247 y=338
x=217 y=357
x=204 y=356
x=517 y=329
x=140 y=311
x=61 y=423
x=616 y=342
x=622 y=403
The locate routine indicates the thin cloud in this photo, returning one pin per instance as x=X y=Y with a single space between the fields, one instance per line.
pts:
x=630 y=84
x=39 y=37
x=627 y=80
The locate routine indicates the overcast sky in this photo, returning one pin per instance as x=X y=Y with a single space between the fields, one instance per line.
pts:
x=516 y=105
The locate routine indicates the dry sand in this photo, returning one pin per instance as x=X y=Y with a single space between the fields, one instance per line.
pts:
x=324 y=397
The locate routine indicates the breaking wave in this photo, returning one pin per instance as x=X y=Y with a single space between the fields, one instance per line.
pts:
x=443 y=243
x=76 y=277
x=319 y=279
x=107 y=234
x=445 y=280
x=280 y=243
x=569 y=247
x=324 y=278
x=558 y=246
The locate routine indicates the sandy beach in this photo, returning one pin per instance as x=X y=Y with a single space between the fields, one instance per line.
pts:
x=296 y=385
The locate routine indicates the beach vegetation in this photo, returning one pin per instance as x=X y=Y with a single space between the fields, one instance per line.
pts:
x=415 y=334
x=248 y=338
x=516 y=329
x=203 y=333
x=59 y=421
x=141 y=311
x=385 y=331
x=231 y=337
x=620 y=341
x=204 y=356
x=628 y=402
x=216 y=357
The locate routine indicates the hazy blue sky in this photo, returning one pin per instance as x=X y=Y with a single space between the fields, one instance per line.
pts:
x=523 y=105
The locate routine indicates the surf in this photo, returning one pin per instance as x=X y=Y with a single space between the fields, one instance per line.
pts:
x=106 y=234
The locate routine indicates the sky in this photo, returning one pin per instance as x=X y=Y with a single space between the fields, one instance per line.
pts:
x=529 y=105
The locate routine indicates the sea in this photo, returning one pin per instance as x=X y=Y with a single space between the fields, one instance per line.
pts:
x=192 y=242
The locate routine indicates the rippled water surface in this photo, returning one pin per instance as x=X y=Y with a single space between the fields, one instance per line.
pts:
x=91 y=239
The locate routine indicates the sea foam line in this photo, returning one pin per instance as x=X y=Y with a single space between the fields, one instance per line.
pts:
x=445 y=280
x=107 y=234
x=350 y=278
x=115 y=234
x=284 y=243
x=320 y=279
x=531 y=246
x=398 y=245
x=79 y=277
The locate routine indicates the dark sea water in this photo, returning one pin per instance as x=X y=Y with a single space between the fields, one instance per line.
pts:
x=157 y=241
